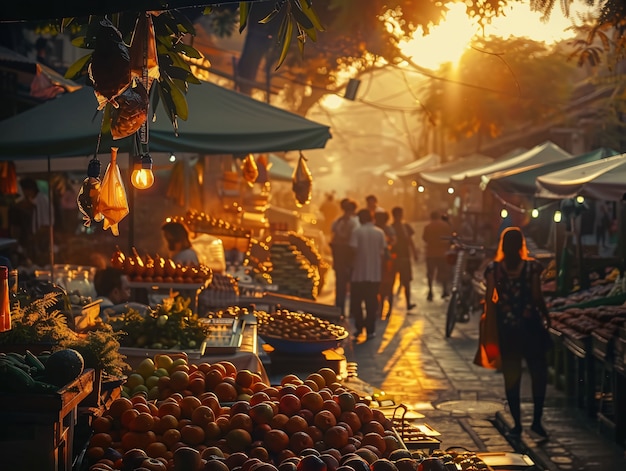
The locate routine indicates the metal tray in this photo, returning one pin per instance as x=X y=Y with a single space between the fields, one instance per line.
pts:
x=225 y=336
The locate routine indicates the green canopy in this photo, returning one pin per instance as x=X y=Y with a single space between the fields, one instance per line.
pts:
x=220 y=121
x=522 y=180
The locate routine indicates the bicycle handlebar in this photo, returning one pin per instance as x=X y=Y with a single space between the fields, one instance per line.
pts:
x=457 y=241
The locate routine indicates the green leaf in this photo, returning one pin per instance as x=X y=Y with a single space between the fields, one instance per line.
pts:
x=269 y=17
x=77 y=67
x=183 y=22
x=189 y=51
x=80 y=41
x=244 y=13
x=179 y=100
x=310 y=13
x=285 y=39
x=299 y=15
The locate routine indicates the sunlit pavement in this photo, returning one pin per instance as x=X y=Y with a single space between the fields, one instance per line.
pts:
x=414 y=364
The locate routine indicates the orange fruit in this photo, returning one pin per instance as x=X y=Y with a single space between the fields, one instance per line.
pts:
x=332 y=406
x=225 y=392
x=118 y=406
x=144 y=422
x=102 y=440
x=296 y=423
x=312 y=401
x=171 y=437
x=276 y=440
x=231 y=369
x=319 y=380
x=241 y=421
x=351 y=419
x=187 y=405
x=170 y=408
x=364 y=412
x=156 y=450
x=290 y=379
x=279 y=421
x=244 y=378
x=192 y=434
x=139 y=440
x=328 y=374
x=94 y=453
x=336 y=437
x=324 y=419
x=202 y=415
x=302 y=389
x=128 y=416
x=165 y=423
x=258 y=386
x=289 y=404
x=374 y=440
x=238 y=439
x=311 y=384
x=102 y=424
x=179 y=380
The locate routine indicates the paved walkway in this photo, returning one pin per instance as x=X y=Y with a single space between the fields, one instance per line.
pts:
x=413 y=363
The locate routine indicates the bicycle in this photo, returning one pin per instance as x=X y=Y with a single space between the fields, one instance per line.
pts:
x=464 y=299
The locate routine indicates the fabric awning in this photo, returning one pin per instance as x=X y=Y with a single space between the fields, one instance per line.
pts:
x=220 y=121
x=412 y=169
x=543 y=153
x=523 y=180
x=441 y=175
x=603 y=180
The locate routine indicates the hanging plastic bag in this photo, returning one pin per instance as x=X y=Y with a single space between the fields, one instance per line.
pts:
x=302 y=182
x=89 y=194
x=113 y=205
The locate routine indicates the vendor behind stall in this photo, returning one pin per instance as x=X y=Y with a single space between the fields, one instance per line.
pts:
x=113 y=291
x=178 y=243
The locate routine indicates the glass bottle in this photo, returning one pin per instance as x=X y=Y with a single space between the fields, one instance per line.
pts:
x=5 y=308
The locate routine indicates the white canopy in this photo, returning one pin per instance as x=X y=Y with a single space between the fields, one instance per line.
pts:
x=540 y=154
x=412 y=169
x=602 y=179
x=441 y=175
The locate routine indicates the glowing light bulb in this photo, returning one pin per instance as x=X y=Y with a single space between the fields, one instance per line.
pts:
x=450 y=190
x=142 y=176
x=421 y=189
x=172 y=157
x=534 y=213
x=580 y=199
x=504 y=213
x=557 y=216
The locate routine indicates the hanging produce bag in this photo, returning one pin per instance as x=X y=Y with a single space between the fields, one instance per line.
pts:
x=89 y=194
x=109 y=69
x=131 y=113
x=302 y=182
x=112 y=205
x=249 y=169
x=143 y=51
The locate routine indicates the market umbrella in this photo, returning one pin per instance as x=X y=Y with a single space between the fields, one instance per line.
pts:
x=602 y=179
x=522 y=180
x=220 y=121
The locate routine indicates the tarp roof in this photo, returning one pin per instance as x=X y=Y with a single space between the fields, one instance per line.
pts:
x=543 y=153
x=603 y=180
x=441 y=175
x=522 y=180
x=220 y=121
x=412 y=169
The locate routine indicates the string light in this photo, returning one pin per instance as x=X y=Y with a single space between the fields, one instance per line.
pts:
x=534 y=213
x=580 y=199
x=557 y=216
x=420 y=189
x=504 y=213
x=142 y=177
x=450 y=190
x=172 y=157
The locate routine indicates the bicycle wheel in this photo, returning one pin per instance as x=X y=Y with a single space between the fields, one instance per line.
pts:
x=451 y=313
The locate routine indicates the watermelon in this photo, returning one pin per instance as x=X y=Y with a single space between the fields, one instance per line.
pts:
x=64 y=366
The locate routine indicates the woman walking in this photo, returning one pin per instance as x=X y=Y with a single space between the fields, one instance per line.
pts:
x=514 y=297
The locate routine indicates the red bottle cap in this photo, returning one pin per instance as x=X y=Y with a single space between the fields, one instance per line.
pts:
x=4 y=273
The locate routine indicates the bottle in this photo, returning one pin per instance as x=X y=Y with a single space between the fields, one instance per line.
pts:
x=5 y=308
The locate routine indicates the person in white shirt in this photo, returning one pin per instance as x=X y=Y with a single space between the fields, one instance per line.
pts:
x=113 y=292
x=178 y=243
x=37 y=204
x=368 y=246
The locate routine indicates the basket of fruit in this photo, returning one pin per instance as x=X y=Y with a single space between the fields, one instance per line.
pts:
x=298 y=333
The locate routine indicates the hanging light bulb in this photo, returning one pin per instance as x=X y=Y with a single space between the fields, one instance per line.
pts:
x=504 y=213
x=450 y=190
x=421 y=188
x=534 y=213
x=580 y=199
x=557 y=216
x=172 y=157
x=142 y=176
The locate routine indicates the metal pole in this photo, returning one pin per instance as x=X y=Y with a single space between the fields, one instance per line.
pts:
x=51 y=225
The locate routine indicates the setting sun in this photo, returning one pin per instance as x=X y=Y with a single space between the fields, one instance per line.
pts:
x=447 y=41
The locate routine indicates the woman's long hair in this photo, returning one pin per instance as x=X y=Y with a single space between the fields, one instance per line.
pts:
x=511 y=246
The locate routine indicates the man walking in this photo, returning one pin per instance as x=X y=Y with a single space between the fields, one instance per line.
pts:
x=404 y=251
x=341 y=231
x=437 y=235
x=368 y=248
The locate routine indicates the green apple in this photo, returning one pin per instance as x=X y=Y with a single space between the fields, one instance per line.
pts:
x=146 y=367
x=134 y=380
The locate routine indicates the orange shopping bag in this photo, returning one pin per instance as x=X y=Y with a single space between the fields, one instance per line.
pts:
x=112 y=205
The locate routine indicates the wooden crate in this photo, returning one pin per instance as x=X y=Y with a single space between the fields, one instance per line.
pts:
x=38 y=429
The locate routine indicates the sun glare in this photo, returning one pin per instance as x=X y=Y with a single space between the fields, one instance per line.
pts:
x=446 y=42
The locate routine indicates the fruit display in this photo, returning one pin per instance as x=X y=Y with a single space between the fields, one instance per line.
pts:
x=176 y=416
x=45 y=373
x=172 y=325
x=223 y=291
x=290 y=325
x=598 y=292
x=580 y=323
x=202 y=222
x=157 y=269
